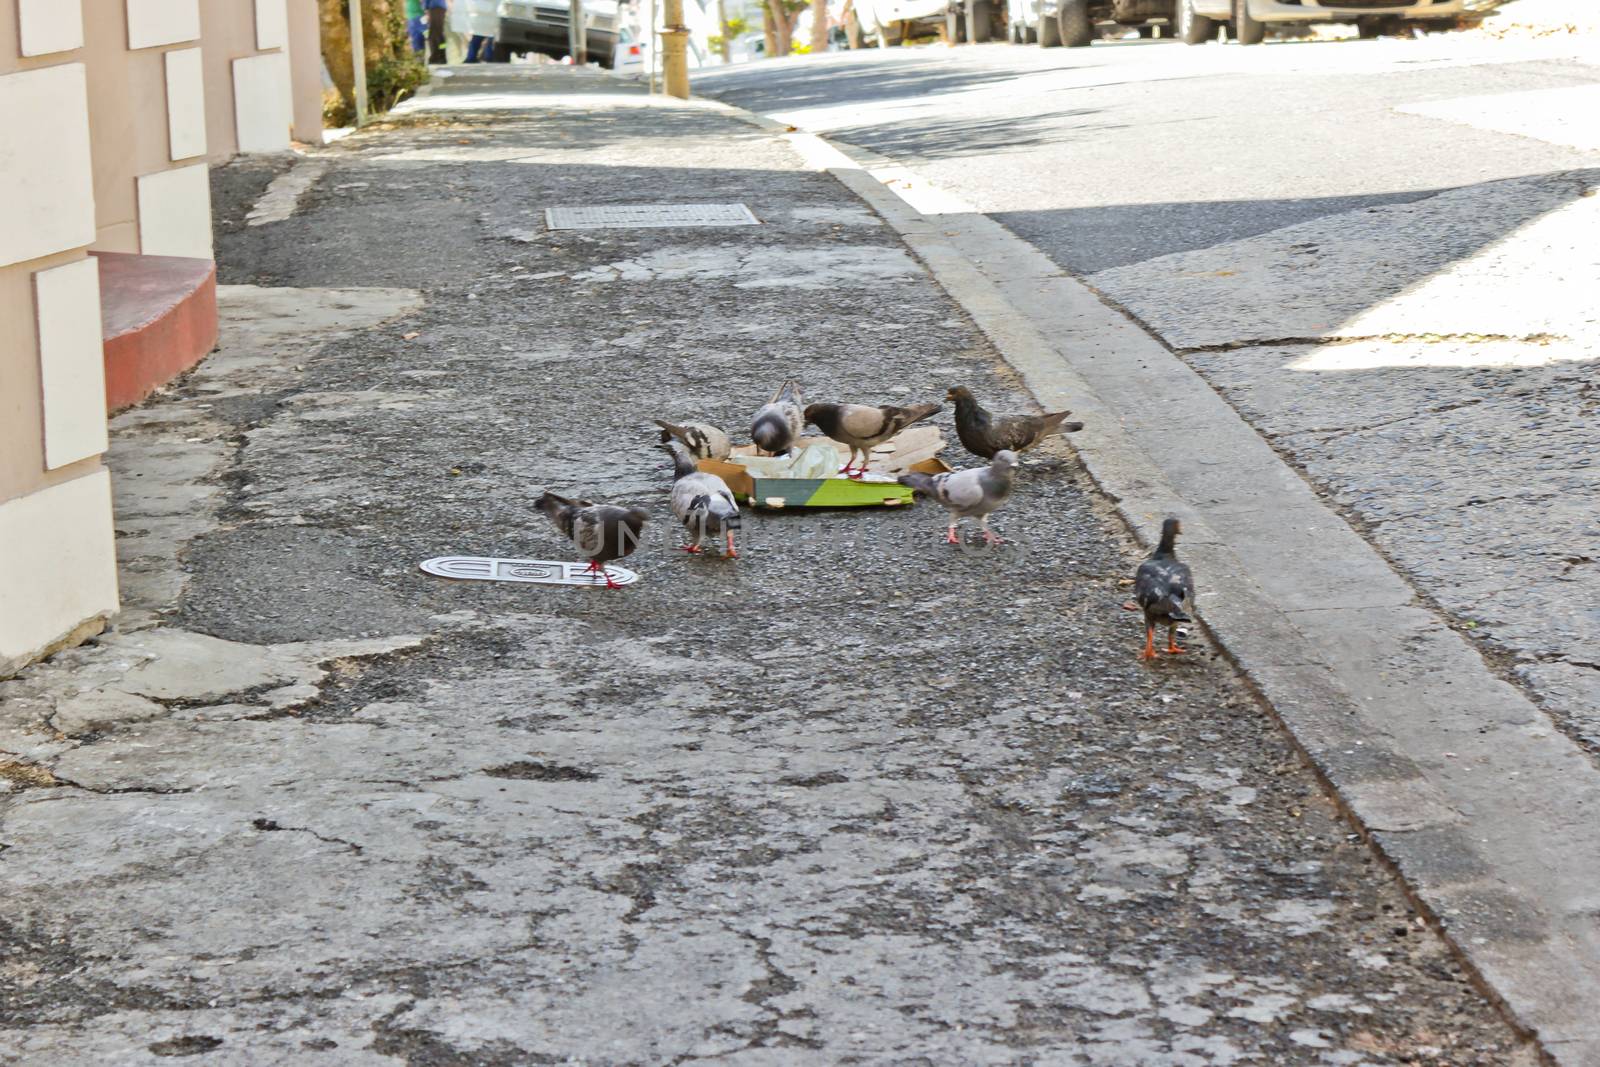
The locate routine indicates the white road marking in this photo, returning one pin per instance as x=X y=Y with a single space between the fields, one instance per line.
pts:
x=283 y=195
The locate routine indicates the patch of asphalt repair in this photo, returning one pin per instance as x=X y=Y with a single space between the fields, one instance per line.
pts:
x=855 y=798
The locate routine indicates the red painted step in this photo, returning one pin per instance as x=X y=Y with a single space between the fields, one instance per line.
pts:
x=159 y=318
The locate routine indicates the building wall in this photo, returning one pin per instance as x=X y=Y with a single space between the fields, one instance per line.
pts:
x=305 y=69
x=57 y=556
x=107 y=127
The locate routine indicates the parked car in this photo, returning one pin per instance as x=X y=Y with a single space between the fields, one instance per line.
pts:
x=1022 y=21
x=886 y=22
x=1199 y=20
x=540 y=26
x=976 y=20
x=1076 y=23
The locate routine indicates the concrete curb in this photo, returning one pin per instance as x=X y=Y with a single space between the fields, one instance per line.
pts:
x=1484 y=808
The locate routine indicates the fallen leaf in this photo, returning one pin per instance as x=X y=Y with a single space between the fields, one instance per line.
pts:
x=410 y=336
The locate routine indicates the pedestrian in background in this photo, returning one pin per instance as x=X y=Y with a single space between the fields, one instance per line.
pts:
x=458 y=28
x=436 y=11
x=416 y=26
x=484 y=21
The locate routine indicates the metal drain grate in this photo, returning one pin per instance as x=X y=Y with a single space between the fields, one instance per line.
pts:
x=619 y=216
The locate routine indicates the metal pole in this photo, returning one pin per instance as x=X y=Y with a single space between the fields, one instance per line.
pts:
x=358 y=62
x=674 y=48
x=653 y=41
x=577 y=33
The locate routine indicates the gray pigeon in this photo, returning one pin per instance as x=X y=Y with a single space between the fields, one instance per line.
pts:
x=863 y=427
x=777 y=425
x=601 y=532
x=703 y=440
x=976 y=491
x=701 y=500
x=1164 y=589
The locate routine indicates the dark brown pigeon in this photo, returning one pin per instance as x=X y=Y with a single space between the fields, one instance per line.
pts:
x=1164 y=589
x=602 y=532
x=984 y=434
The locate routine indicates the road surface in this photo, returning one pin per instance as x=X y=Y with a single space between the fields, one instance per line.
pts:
x=1382 y=254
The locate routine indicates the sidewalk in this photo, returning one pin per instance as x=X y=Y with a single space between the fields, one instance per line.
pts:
x=1543 y=18
x=855 y=798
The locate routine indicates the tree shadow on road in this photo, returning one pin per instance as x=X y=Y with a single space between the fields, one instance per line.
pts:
x=764 y=90
x=916 y=140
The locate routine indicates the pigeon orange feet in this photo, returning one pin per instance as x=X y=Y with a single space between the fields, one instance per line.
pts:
x=1149 y=650
x=600 y=569
x=950 y=537
x=693 y=549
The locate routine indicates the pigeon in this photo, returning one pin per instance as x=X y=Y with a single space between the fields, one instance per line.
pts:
x=777 y=425
x=703 y=440
x=984 y=434
x=701 y=501
x=1164 y=589
x=976 y=491
x=601 y=532
x=864 y=428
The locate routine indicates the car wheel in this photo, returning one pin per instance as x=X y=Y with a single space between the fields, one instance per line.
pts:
x=1246 y=28
x=1049 y=32
x=980 y=21
x=1072 y=21
x=1192 y=28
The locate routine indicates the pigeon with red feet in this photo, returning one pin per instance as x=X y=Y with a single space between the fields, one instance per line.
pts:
x=972 y=493
x=701 y=501
x=863 y=427
x=602 y=532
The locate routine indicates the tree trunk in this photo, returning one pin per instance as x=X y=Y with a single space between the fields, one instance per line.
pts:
x=769 y=30
x=377 y=17
x=852 y=25
x=819 y=26
x=722 y=28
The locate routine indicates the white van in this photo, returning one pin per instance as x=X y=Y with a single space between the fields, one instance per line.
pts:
x=884 y=22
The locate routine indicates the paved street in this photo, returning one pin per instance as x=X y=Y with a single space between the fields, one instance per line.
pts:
x=855 y=798
x=1338 y=237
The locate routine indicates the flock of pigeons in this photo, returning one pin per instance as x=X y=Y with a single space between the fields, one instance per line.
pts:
x=703 y=503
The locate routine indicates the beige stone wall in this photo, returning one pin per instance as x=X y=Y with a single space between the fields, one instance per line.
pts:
x=127 y=122
x=57 y=553
x=305 y=69
x=110 y=111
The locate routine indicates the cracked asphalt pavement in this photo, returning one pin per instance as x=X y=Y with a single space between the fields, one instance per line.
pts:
x=855 y=798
